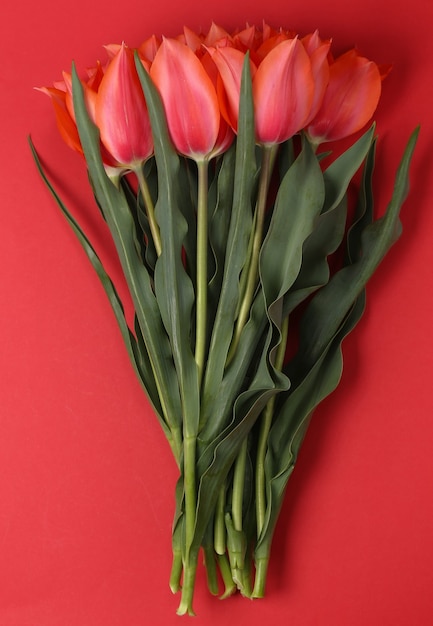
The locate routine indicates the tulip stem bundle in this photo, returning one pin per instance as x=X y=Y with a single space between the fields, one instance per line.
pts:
x=229 y=233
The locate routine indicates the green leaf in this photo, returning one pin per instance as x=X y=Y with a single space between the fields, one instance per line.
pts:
x=329 y=228
x=339 y=174
x=291 y=422
x=330 y=305
x=219 y=413
x=364 y=210
x=326 y=237
x=299 y=201
x=122 y=227
x=173 y=287
x=134 y=345
x=219 y=223
x=316 y=369
x=236 y=251
x=219 y=456
x=295 y=409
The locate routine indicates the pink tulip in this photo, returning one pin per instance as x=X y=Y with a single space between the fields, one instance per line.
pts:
x=229 y=62
x=190 y=101
x=121 y=112
x=283 y=89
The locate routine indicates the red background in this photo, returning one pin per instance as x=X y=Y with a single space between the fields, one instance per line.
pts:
x=86 y=477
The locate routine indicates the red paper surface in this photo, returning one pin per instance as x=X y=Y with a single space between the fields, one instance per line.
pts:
x=86 y=476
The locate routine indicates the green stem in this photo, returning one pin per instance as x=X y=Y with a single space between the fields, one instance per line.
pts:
x=236 y=539
x=210 y=560
x=177 y=561
x=226 y=574
x=238 y=486
x=268 y=159
x=260 y=577
x=190 y=436
x=189 y=574
x=150 y=209
x=189 y=471
x=202 y=244
x=176 y=571
x=220 y=543
x=175 y=439
x=265 y=425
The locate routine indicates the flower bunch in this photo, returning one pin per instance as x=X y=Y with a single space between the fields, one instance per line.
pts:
x=204 y=156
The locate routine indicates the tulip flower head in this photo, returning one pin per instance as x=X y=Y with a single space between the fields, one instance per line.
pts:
x=283 y=89
x=62 y=100
x=190 y=101
x=121 y=112
x=350 y=98
x=64 y=120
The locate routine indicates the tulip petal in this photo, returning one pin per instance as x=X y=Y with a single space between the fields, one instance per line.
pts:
x=318 y=52
x=192 y=39
x=189 y=98
x=65 y=123
x=149 y=48
x=229 y=62
x=283 y=90
x=216 y=33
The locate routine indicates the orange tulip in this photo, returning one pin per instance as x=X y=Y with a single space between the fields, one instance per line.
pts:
x=350 y=98
x=61 y=97
x=283 y=89
x=65 y=122
x=190 y=101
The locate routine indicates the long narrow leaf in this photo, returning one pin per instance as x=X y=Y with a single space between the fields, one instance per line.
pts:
x=122 y=228
x=237 y=246
x=299 y=201
x=339 y=174
x=292 y=421
x=173 y=287
x=329 y=307
x=136 y=352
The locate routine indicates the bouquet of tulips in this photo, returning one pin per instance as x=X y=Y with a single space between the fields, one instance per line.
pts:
x=204 y=153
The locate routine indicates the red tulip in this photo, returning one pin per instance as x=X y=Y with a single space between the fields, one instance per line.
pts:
x=190 y=101
x=121 y=112
x=350 y=99
x=283 y=89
